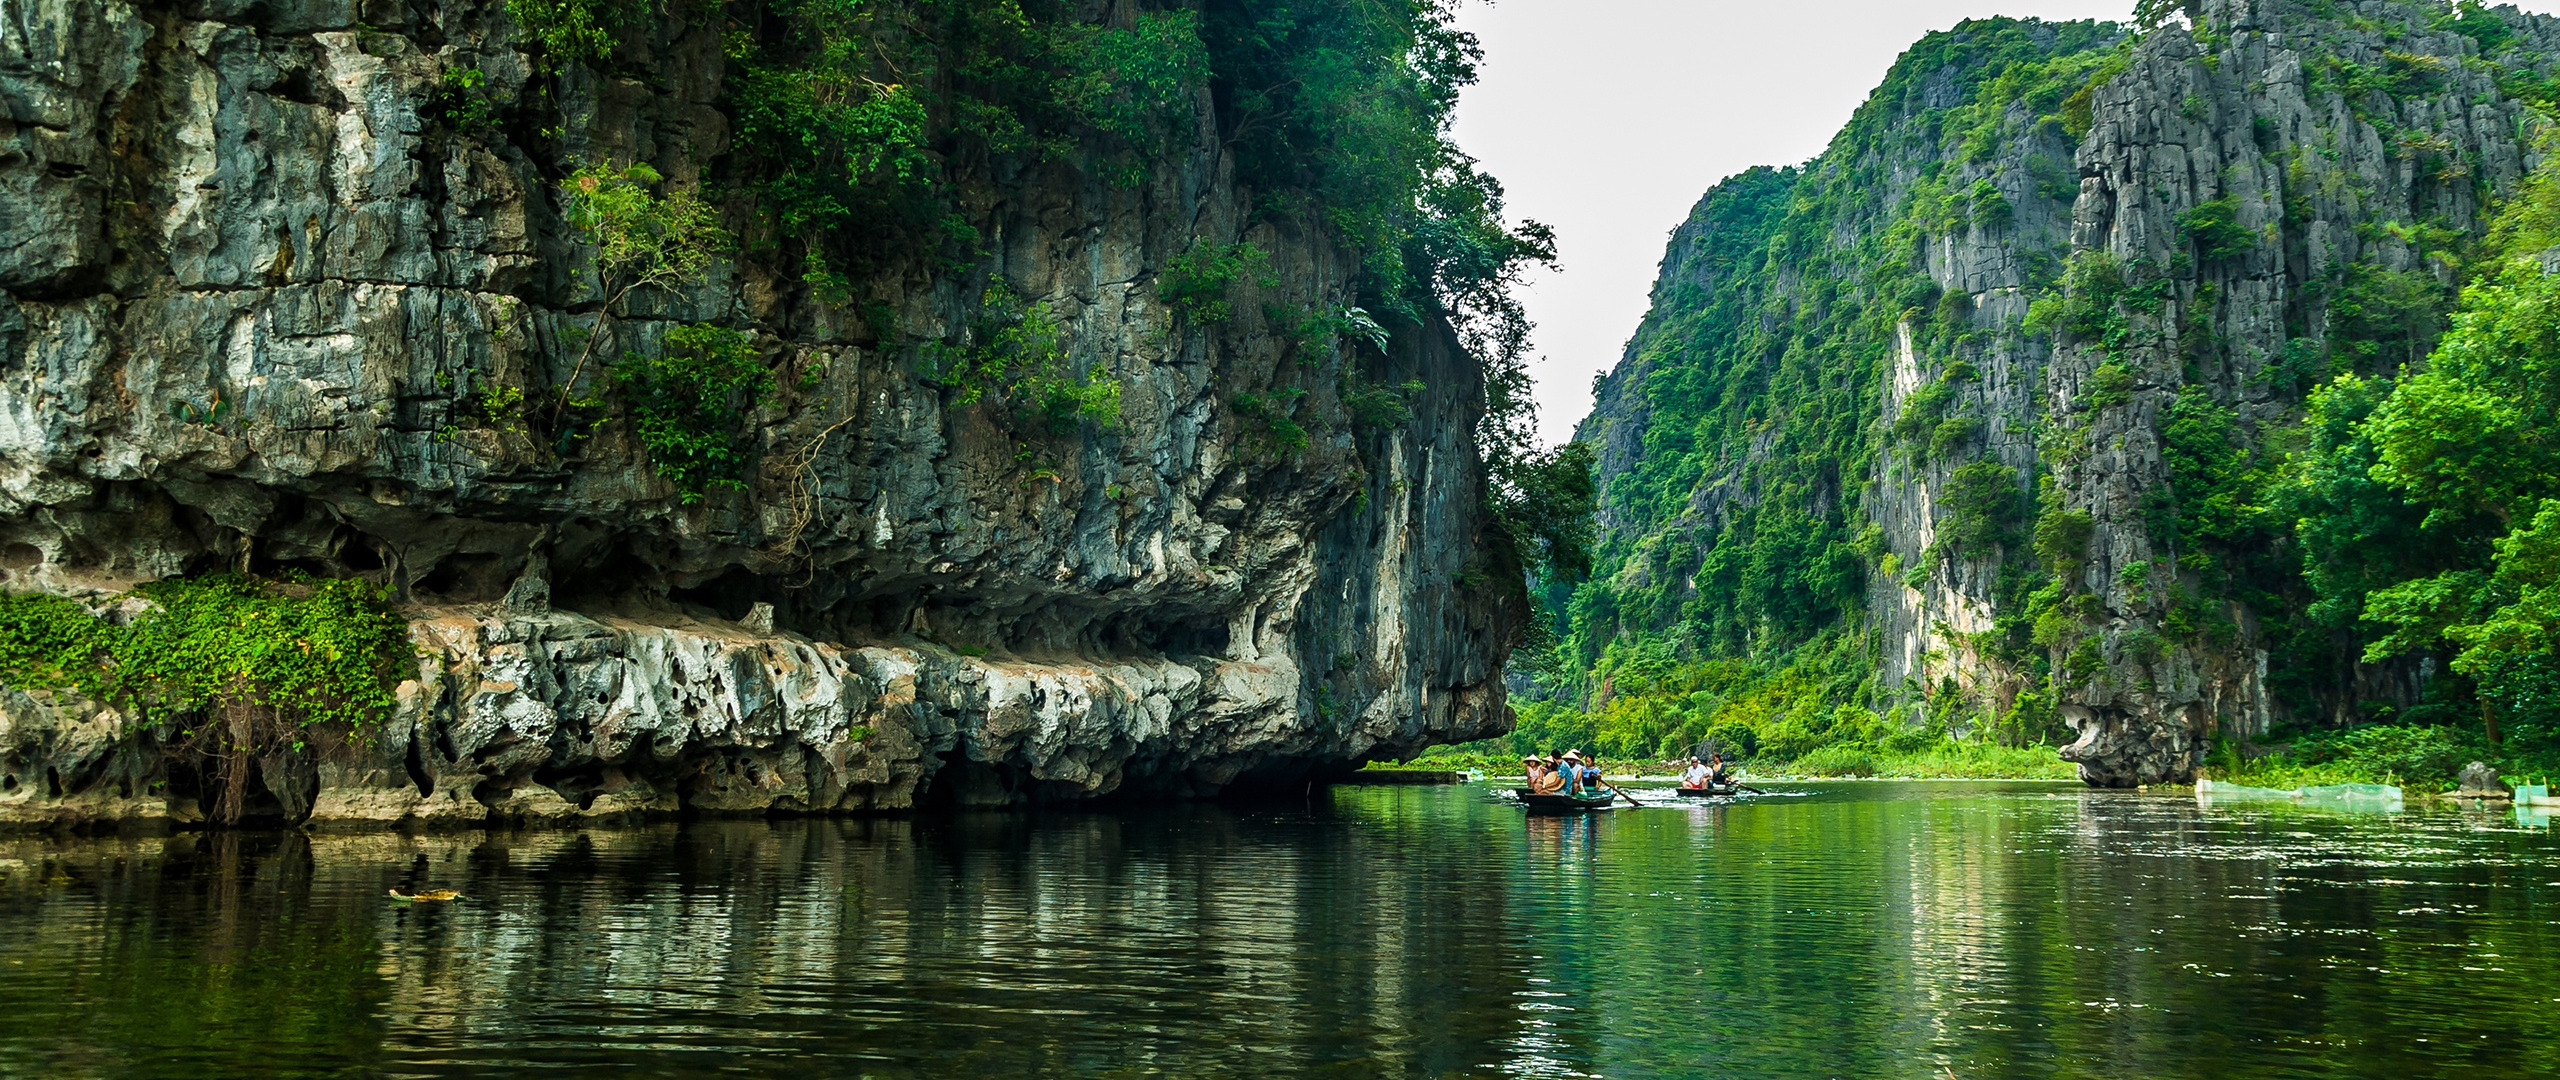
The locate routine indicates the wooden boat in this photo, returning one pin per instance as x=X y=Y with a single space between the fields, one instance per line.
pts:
x=1565 y=803
x=1711 y=791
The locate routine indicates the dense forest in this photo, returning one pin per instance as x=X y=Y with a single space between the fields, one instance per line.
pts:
x=2194 y=373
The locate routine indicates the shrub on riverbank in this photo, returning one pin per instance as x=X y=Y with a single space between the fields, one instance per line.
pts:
x=2419 y=758
x=1836 y=760
x=1818 y=714
x=1965 y=759
x=223 y=668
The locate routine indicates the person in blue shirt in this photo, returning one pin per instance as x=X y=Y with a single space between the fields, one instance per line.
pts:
x=1583 y=775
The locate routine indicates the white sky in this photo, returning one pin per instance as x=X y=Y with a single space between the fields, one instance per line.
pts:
x=1608 y=118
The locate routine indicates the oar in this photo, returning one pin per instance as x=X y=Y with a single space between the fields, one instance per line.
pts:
x=1631 y=800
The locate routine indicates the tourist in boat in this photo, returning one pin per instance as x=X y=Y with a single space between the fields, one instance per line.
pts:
x=1535 y=771
x=1586 y=776
x=1573 y=773
x=1696 y=776
x=1551 y=778
x=1716 y=774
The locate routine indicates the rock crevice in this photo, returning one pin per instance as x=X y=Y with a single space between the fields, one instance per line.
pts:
x=267 y=309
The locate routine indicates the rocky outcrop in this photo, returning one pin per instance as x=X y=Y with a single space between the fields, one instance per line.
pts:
x=2246 y=192
x=2479 y=781
x=2317 y=171
x=270 y=306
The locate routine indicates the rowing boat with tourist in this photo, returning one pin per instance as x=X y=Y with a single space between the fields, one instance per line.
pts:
x=1707 y=779
x=1565 y=780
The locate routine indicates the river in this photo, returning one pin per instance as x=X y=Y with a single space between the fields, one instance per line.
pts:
x=1854 y=930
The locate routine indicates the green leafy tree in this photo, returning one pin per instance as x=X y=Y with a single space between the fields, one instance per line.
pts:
x=1017 y=353
x=2213 y=226
x=1340 y=111
x=1543 y=503
x=2153 y=14
x=2468 y=443
x=575 y=31
x=861 y=123
x=1983 y=507
x=642 y=240
x=2426 y=502
x=2214 y=481
x=2511 y=649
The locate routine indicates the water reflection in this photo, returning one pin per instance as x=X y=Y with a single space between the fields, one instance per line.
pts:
x=1868 y=930
x=1093 y=945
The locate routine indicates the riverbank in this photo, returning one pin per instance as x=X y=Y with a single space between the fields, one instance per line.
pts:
x=2421 y=759
x=2418 y=758
x=1948 y=760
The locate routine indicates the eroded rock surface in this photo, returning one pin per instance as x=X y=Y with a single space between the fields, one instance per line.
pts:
x=2315 y=178
x=2249 y=108
x=263 y=305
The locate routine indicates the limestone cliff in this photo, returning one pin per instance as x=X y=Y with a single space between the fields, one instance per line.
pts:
x=275 y=301
x=1987 y=374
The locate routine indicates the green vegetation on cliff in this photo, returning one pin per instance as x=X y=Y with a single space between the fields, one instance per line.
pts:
x=309 y=652
x=2365 y=503
x=1738 y=548
x=865 y=128
x=224 y=668
x=2427 y=506
x=871 y=134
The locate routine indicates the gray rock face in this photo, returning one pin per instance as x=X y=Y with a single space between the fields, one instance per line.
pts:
x=260 y=296
x=2313 y=177
x=2247 y=106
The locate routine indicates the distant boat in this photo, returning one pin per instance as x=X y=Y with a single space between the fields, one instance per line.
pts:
x=1711 y=791
x=1563 y=803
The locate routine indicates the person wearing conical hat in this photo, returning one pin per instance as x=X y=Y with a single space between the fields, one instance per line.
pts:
x=1551 y=778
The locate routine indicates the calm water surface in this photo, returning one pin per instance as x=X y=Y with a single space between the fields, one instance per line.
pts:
x=1861 y=930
